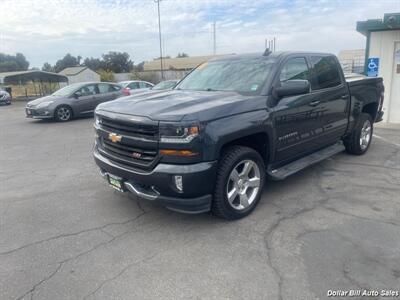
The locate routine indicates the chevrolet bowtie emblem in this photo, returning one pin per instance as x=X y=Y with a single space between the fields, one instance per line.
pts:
x=114 y=137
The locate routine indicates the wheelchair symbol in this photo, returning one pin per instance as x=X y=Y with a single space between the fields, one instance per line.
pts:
x=372 y=65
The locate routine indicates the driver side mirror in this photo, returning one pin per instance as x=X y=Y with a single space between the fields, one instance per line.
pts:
x=77 y=95
x=293 y=87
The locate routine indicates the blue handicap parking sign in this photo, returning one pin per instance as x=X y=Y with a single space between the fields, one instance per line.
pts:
x=373 y=66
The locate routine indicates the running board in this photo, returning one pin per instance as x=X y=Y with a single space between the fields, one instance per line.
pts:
x=298 y=165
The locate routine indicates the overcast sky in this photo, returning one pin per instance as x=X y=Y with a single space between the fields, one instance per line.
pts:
x=46 y=30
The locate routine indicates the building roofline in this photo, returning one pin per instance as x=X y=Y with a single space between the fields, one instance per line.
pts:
x=390 y=21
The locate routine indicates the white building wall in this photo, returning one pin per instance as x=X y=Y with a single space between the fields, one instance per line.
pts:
x=383 y=45
x=84 y=76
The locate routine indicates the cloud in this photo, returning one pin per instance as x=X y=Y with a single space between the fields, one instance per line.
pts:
x=45 y=30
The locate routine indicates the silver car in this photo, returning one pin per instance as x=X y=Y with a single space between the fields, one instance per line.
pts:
x=135 y=86
x=5 y=97
x=79 y=99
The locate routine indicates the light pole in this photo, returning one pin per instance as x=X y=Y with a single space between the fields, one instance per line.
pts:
x=159 y=36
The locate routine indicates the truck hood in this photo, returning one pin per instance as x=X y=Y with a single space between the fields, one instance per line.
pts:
x=178 y=105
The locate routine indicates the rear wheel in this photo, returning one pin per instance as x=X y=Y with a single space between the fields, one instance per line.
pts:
x=360 y=139
x=239 y=185
x=63 y=113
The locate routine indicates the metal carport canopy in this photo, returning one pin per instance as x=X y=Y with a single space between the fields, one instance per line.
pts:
x=34 y=75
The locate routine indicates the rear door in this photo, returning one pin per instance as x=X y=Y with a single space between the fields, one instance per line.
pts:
x=87 y=100
x=296 y=118
x=329 y=87
x=106 y=92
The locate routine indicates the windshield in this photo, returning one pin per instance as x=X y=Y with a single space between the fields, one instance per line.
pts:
x=244 y=75
x=164 y=85
x=66 y=91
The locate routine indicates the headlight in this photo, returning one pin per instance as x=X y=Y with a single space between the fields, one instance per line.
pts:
x=174 y=133
x=44 y=104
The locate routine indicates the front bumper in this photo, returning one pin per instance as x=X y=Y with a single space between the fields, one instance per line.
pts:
x=5 y=100
x=379 y=116
x=38 y=113
x=158 y=184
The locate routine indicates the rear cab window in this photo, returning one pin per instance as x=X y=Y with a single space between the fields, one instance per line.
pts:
x=325 y=72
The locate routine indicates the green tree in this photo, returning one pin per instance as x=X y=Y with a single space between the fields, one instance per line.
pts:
x=138 y=67
x=9 y=63
x=117 y=62
x=106 y=75
x=183 y=54
x=94 y=63
x=47 y=67
x=67 y=61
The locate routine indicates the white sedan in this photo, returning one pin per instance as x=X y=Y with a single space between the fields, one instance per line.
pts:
x=135 y=86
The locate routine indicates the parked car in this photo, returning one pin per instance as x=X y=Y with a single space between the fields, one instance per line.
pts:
x=158 y=88
x=165 y=85
x=5 y=97
x=79 y=99
x=209 y=143
x=134 y=86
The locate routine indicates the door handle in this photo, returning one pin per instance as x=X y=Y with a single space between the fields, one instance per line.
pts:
x=314 y=103
x=344 y=96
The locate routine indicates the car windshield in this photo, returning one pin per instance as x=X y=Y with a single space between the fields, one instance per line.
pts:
x=66 y=91
x=164 y=85
x=243 y=75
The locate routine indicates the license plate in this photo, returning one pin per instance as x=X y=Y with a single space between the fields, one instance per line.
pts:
x=28 y=111
x=115 y=183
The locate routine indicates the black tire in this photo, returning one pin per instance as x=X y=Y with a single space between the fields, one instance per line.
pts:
x=63 y=113
x=230 y=160
x=353 y=142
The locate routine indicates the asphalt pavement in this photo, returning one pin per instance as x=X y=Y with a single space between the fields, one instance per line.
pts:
x=64 y=234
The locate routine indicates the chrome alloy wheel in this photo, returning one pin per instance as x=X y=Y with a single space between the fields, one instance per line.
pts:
x=243 y=184
x=365 y=136
x=63 y=113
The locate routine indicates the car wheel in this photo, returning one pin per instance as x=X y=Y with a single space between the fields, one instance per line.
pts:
x=240 y=180
x=63 y=113
x=360 y=139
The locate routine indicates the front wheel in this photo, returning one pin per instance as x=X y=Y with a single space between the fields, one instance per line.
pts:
x=63 y=113
x=240 y=181
x=360 y=139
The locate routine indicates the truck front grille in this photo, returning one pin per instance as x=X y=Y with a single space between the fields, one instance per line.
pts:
x=138 y=146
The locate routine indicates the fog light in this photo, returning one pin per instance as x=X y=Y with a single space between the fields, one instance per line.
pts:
x=178 y=182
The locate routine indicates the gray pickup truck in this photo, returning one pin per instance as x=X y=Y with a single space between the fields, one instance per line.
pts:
x=209 y=143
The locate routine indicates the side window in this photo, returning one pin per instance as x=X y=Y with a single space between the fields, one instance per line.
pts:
x=133 y=85
x=294 y=68
x=142 y=85
x=88 y=90
x=104 y=88
x=325 y=72
x=148 y=85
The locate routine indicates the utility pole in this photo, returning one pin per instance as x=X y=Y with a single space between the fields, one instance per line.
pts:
x=215 y=38
x=159 y=36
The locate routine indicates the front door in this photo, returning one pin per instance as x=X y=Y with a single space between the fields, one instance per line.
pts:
x=106 y=93
x=297 y=119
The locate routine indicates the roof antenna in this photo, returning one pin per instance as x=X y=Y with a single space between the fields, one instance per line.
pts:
x=267 y=52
